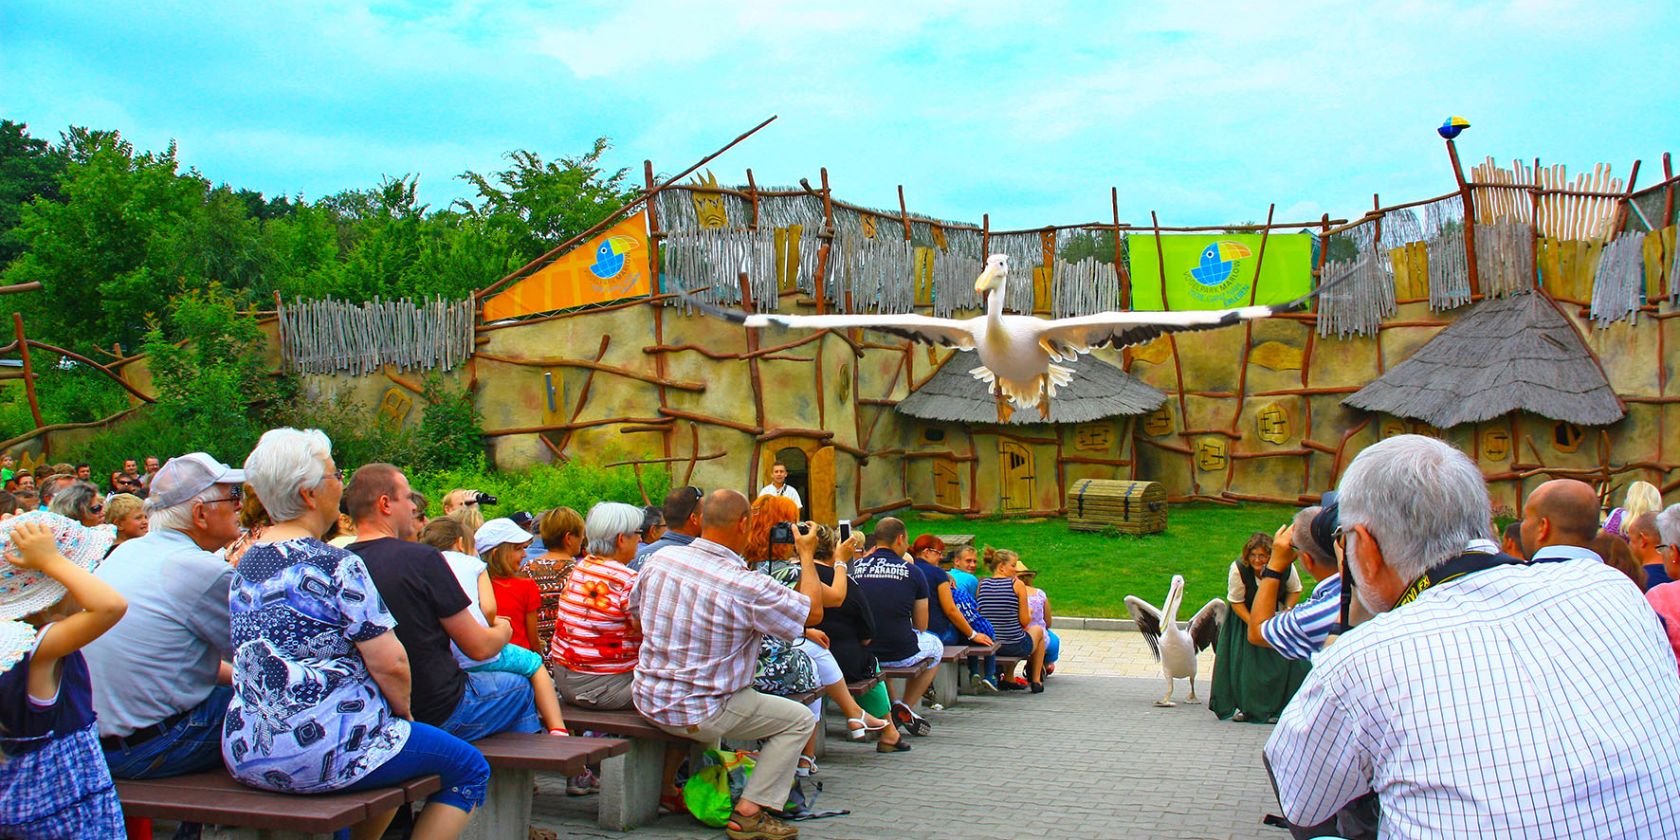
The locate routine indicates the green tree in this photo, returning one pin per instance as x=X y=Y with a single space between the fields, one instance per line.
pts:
x=29 y=167
x=540 y=205
x=210 y=368
x=113 y=252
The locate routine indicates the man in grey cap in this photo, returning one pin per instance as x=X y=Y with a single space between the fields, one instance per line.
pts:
x=159 y=676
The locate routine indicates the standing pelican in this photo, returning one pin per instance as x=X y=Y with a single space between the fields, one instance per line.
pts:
x=1018 y=353
x=1174 y=648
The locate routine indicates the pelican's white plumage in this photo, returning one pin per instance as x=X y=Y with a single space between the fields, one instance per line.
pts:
x=1173 y=646
x=1018 y=353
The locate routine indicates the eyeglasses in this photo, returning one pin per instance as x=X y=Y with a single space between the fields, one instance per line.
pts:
x=234 y=495
x=336 y=473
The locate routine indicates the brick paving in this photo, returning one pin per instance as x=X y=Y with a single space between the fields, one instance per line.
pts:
x=1091 y=757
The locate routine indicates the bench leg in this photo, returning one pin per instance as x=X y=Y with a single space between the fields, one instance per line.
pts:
x=630 y=786
x=223 y=832
x=965 y=680
x=945 y=685
x=506 y=811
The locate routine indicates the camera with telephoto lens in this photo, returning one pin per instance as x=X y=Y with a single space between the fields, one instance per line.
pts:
x=482 y=498
x=781 y=533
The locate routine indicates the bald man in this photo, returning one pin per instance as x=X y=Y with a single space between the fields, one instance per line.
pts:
x=1643 y=539
x=1560 y=519
x=703 y=614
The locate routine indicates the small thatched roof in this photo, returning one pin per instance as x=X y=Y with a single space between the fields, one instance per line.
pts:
x=1517 y=353
x=1098 y=390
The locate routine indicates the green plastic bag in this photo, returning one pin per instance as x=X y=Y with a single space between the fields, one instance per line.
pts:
x=711 y=793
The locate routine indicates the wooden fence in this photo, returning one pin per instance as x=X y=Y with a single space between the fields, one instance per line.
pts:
x=332 y=336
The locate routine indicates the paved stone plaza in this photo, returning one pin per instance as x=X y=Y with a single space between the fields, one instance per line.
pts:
x=1091 y=757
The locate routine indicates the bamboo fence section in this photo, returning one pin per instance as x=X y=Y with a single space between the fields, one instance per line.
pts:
x=333 y=336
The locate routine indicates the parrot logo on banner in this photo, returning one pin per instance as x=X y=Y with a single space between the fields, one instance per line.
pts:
x=1219 y=259
x=1215 y=274
x=609 y=257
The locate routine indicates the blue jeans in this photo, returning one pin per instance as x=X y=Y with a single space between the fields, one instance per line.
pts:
x=988 y=670
x=431 y=750
x=194 y=743
x=493 y=702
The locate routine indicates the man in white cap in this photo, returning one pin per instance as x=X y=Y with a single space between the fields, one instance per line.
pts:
x=159 y=676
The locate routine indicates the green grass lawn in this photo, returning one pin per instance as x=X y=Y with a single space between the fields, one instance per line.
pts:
x=1090 y=574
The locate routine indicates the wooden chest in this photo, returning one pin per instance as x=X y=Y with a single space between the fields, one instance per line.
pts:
x=1131 y=507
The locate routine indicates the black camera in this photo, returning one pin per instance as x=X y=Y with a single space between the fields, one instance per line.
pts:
x=781 y=533
x=482 y=498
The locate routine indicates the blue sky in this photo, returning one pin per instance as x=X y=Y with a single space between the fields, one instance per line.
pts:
x=1204 y=112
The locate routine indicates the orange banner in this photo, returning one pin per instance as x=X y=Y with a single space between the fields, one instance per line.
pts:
x=612 y=266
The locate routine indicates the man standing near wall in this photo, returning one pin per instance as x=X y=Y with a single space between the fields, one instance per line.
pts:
x=778 y=486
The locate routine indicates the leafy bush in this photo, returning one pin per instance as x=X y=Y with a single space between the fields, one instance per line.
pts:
x=211 y=378
x=577 y=484
x=75 y=394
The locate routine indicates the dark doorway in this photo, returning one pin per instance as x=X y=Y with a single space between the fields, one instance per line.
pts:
x=799 y=475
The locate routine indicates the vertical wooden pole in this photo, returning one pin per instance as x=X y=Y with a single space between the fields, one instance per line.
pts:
x=1323 y=259
x=1160 y=260
x=1469 y=199
x=1120 y=267
x=1668 y=192
x=903 y=213
x=1534 y=236
x=1622 y=212
x=985 y=236
x=28 y=370
x=827 y=248
x=655 y=284
x=752 y=195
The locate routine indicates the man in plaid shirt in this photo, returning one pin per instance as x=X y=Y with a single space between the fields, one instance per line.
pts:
x=703 y=613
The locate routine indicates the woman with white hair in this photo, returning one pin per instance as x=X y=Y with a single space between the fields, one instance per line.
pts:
x=315 y=659
x=595 y=640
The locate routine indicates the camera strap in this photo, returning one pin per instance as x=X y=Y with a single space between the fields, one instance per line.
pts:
x=1460 y=566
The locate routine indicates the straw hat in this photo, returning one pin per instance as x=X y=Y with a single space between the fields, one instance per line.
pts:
x=16 y=639
x=25 y=592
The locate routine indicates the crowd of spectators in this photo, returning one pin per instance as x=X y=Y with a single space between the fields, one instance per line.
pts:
x=314 y=631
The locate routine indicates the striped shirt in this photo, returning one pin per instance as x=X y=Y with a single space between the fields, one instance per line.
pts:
x=592 y=623
x=1299 y=633
x=703 y=613
x=1002 y=607
x=1512 y=702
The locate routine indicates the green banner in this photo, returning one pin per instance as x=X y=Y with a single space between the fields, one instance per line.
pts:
x=1216 y=270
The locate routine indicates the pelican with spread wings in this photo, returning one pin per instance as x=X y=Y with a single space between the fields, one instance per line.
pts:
x=1018 y=353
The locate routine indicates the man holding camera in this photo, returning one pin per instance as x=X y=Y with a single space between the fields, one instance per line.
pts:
x=1486 y=696
x=703 y=614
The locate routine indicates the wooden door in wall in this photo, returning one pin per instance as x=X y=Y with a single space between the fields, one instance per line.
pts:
x=820 y=506
x=947 y=487
x=1015 y=474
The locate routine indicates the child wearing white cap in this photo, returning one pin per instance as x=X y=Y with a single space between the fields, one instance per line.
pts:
x=53 y=777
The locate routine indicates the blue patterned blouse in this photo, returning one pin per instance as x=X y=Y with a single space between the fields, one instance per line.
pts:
x=306 y=717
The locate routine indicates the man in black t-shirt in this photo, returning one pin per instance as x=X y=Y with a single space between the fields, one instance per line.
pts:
x=898 y=600
x=431 y=611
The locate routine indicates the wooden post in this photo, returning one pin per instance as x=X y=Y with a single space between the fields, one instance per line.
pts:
x=1120 y=267
x=985 y=236
x=1534 y=237
x=1622 y=212
x=1323 y=258
x=654 y=286
x=28 y=370
x=1668 y=192
x=903 y=213
x=1469 y=199
x=752 y=195
x=827 y=236
x=1161 y=263
x=653 y=231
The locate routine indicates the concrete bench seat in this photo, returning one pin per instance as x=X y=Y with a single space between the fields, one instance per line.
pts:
x=630 y=782
x=215 y=798
x=513 y=758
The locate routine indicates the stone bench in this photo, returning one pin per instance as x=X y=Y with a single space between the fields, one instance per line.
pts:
x=514 y=758
x=631 y=783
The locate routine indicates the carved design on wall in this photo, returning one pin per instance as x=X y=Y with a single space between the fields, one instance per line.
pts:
x=1391 y=428
x=394 y=408
x=708 y=204
x=1093 y=437
x=844 y=378
x=1273 y=422
x=1159 y=422
x=1210 y=454
x=1275 y=355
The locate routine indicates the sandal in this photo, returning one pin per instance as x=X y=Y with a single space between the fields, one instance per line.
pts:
x=910 y=721
x=896 y=746
x=863 y=728
x=807 y=766
x=759 y=826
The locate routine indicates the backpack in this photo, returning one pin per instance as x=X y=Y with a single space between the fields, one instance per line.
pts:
x=784 y=670
x=710 y=794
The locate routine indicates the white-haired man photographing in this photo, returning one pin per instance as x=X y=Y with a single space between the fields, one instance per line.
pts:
x=1486 y=697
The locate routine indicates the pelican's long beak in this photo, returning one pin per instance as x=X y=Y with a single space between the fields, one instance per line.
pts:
x=988 y=279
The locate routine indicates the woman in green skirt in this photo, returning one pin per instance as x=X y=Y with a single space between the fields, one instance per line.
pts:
x=1250 y=682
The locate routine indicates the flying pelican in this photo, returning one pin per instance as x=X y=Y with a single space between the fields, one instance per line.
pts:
x=1174 y=648
x=1018 y=353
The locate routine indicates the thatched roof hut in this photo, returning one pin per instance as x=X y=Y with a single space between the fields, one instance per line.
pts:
x=1098 y=390
x=1517 y=353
